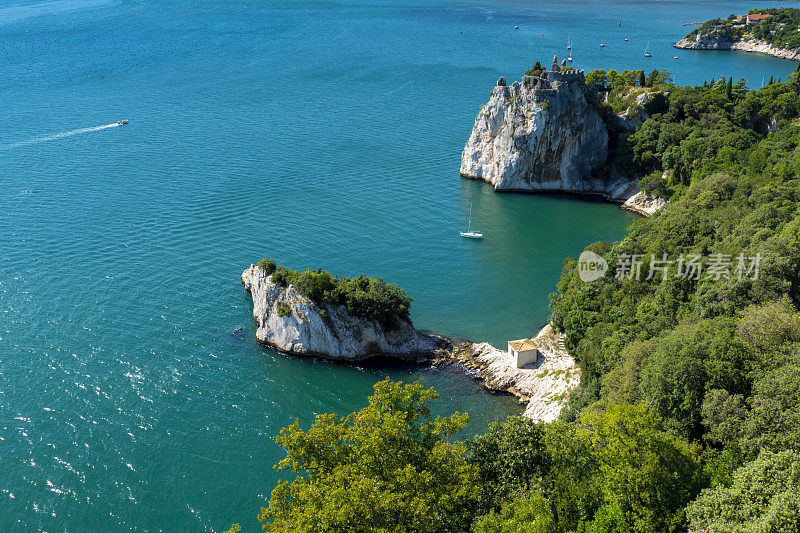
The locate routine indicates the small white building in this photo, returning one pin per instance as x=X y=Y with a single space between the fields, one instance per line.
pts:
x=523 y=352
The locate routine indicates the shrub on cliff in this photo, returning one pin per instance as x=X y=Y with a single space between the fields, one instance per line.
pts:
x=364 y=297
x=267 y=264
x=536 y=70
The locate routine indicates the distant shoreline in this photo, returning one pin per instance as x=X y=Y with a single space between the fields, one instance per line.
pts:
x=744 y=45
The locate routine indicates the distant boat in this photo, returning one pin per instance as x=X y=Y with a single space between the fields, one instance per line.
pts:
x=569 y=41
x=469 y=234
x=602 y=45
x=627 y=39
x=646 y=52
x=122 y=122
x=676 y=57
x=516 y=27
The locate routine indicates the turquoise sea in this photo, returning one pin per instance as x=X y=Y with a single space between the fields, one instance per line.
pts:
x=320 y=133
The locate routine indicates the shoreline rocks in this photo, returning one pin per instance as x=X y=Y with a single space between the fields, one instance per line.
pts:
x=704 y=42
x=543 y=387
x=292 y=323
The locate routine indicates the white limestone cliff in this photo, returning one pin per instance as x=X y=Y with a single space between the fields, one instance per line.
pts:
x=325 y=330
x=542 y=134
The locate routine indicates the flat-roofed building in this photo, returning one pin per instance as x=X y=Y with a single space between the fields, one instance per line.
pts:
x=523 y=352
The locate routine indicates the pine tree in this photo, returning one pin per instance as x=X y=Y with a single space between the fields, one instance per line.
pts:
x=729 y=89
x=641 y=78
x=771 y=80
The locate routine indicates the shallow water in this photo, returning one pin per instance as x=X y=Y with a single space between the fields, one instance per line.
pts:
x=319 y=133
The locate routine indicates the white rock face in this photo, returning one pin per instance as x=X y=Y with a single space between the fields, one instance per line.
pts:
x=543 y=387
x=705 y=42
x=644 y=204
x=542 y=134
x=338 y=336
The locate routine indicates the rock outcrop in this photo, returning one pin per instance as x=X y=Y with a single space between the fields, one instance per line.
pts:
x=543 y=388
x=710 y=42
x=644 y=204
x=543 y=134
x=325 y=330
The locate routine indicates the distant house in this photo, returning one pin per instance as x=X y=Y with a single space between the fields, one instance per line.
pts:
x=755 y=18
x=523 y=352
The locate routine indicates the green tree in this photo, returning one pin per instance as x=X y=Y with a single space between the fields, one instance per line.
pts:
x=642 y=81
x=529 y=514
x=648 y=478
x=510 y=458
x=774 y=419
x=390 y=466
x=764 y=496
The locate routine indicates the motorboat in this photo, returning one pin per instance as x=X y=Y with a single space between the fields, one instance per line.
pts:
x=122 y=122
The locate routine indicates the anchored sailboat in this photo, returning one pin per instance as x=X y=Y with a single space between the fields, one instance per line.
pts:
x=469 y=234
x=646 y=50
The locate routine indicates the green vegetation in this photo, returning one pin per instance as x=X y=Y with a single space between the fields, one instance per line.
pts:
x=284 y=309
x=764 y=496
x=694 y=131
x=536 y=70
x=364 y=297
x=715 y=359
x=392 y=467
x=779 y=30
x=389 y=467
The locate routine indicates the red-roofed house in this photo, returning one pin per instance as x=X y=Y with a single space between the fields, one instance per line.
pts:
x=755 y=18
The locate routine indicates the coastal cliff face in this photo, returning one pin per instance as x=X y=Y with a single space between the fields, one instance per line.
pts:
x=705 y=42
x=327 y=331
x=542 y=134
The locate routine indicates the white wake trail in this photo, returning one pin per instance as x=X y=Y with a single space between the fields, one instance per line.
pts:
x=37 y=140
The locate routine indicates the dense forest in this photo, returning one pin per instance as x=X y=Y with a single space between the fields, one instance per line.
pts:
x=780 y=29
x=687 y=417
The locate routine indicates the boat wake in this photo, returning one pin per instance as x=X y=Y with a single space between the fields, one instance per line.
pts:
x=37 y=140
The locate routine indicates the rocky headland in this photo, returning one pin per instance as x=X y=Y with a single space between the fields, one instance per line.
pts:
x=710 y=42
x=545 y=133
x=543 y=388
x=293 y=323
